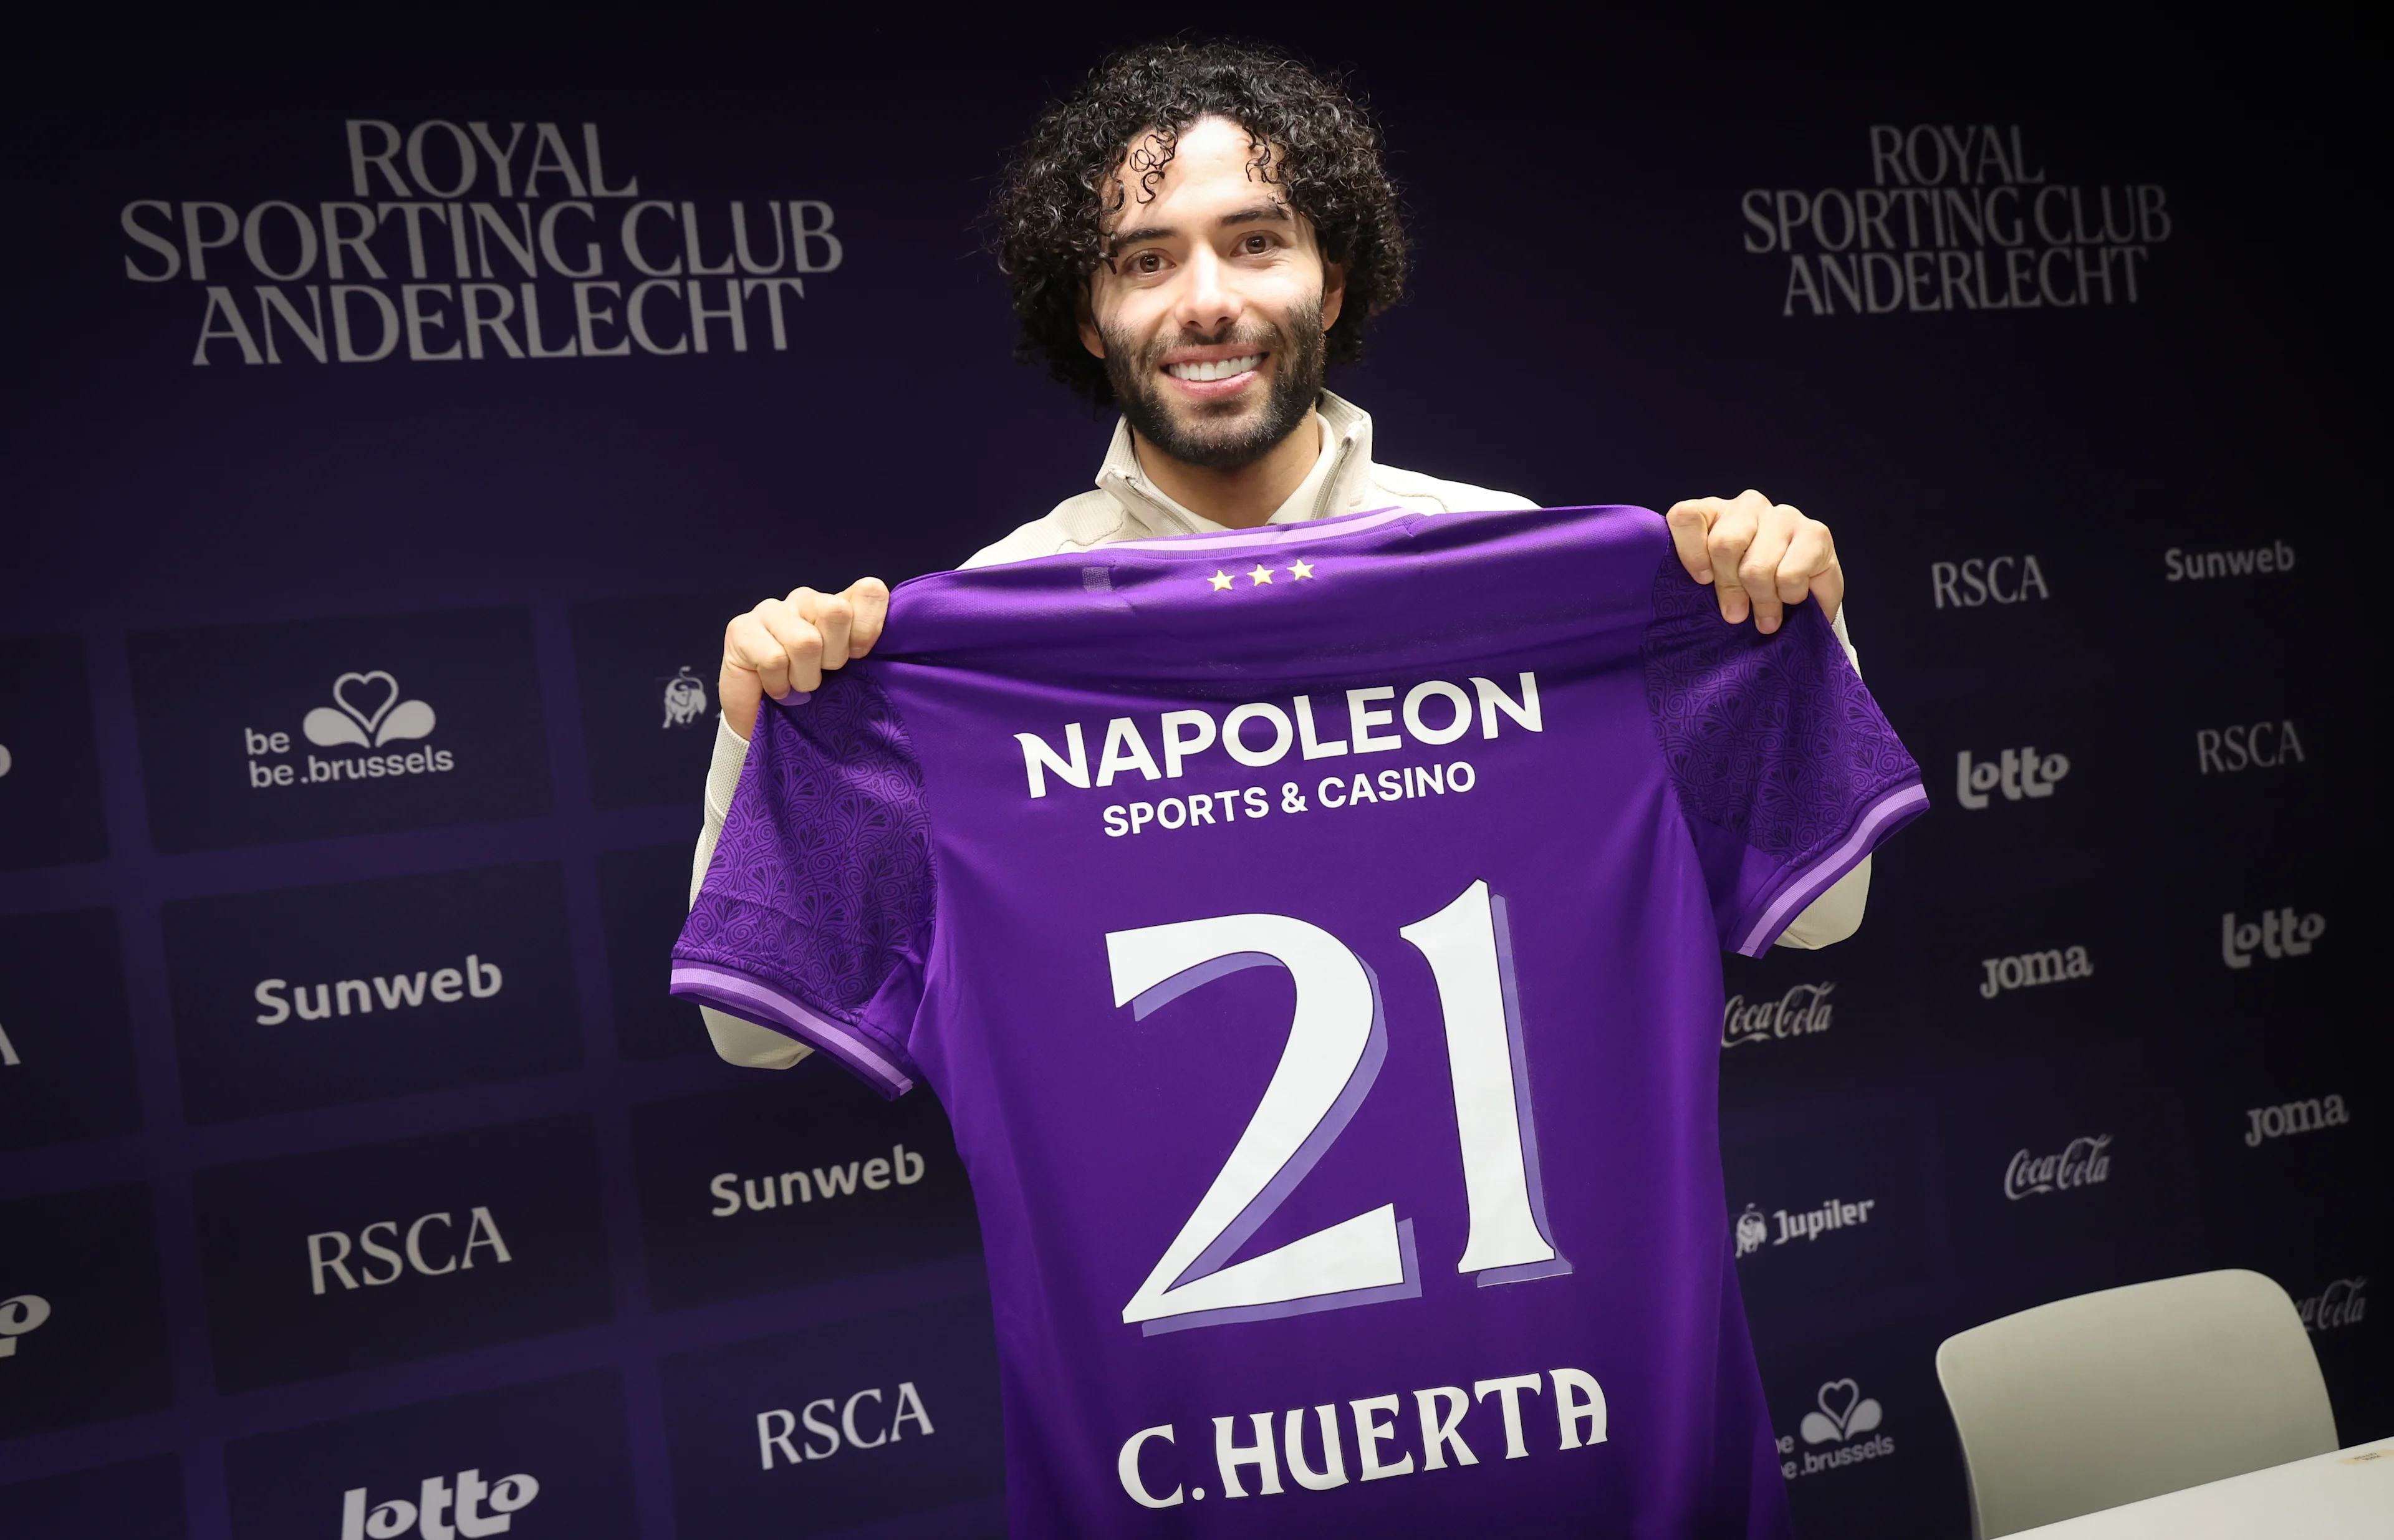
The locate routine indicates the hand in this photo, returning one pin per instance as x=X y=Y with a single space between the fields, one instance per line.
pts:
x=785 y=644
x=1761 y=556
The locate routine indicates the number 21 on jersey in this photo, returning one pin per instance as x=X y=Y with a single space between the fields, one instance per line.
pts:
x=1337 y=1042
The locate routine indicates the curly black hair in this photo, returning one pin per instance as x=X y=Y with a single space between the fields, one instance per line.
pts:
x=1311 y=137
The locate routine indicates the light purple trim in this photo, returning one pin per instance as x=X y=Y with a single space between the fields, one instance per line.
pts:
x=1269 y=534
x=1280 y=1309
x=1822 y=875
x=736 y=993
x=1526 y=1126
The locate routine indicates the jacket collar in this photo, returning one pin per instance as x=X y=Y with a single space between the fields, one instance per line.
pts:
x=1335 y=484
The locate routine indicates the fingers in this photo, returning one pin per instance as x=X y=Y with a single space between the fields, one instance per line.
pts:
x=1757 y=572
x=785 y=644
x=1690 y=522
x=1811 y=567
x=1731 y=535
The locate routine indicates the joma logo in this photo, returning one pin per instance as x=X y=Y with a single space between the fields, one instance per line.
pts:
x=2031 y=968
x=2294 y=1117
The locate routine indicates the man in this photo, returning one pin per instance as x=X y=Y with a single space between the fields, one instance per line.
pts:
x=1193 y=238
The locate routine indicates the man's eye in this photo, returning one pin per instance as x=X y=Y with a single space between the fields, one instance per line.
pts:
x=1147 y=261
x=1256 y=245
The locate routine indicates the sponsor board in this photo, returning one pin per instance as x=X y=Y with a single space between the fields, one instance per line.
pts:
x=838 y=1425
x=83 y=1314
x=317 y=996
x=49 y=766
x=643 y=898
x=810 y=1179
x=137 y=1500
x=527 y=1461
x=645 y=675
x=66 y=1036
x=337 y=1259
x=304 y=729
x=1823 y=1213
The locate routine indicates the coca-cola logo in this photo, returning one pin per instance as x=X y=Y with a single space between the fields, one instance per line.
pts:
x=1800 y=1011
x=2082 y=1162
x=2342 y=1303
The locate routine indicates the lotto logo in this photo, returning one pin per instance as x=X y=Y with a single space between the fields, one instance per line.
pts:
x=434 y=1499
x=2019 y=772
x=2278 y=934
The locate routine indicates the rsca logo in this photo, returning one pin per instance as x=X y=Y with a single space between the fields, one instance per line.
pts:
x=23 y=1314
x=790 y=1188
x=436 y=1500
x=2257 y=745
x=2294 y=1117
x=2277 y=935
x=367 y=712
x=2030 y=968
x=1800 y=1012
x=685 y=696
x=1754 y=1227
x=1844 y=1416
x=444 y=986
x=429 y=1247
x=1984 y=580
x=2018 y=772
x=2339 y=1305
x=779 y=1431
x=2084 y=1161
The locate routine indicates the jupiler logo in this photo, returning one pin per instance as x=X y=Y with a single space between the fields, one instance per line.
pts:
x=1801 y=1011
x=2308 y=1116
x=1982 y=579
x=2030 y=968
x=2278 y=934
x=24 y=1314
x=2340 y=1304
x=1844 y=1416
x=2018 y=772
x=685 y=700
x=2082 y=1162
x=478 y=1508
x=368 y=711
x=1956 y=218
x=1754 y=1228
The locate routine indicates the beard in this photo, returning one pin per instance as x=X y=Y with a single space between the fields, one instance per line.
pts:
x=1221 y=437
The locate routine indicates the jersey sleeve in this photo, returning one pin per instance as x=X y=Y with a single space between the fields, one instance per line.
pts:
x=1786 y=770
x=815 y=915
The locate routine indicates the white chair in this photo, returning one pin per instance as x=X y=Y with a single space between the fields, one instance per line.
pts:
x=2086 y=1403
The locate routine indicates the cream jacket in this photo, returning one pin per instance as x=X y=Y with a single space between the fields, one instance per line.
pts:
x=1126 y=506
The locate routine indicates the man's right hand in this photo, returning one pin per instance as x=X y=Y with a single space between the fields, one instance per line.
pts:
x=785 y=644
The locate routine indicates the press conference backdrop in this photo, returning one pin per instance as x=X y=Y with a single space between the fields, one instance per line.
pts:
x=392 y=426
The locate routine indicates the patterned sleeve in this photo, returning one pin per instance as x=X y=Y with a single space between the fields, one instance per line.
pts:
x=815 y=916
x=1786 y=771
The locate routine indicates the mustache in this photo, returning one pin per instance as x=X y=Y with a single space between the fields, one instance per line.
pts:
x=1264 y=337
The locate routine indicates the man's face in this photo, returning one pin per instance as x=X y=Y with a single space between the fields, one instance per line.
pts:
x=1211 y=313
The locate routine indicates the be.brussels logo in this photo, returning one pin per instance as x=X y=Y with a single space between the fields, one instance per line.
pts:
x=1841 y=1429
x=1803 y=1010
x=648 y=710
x=293 y=730
x=83 y=1324
x=315 y=996
x=809 y=1179
x=527 y=1461
x=837 y=1427
x=49 y=766
x=344 y=1259
x=66 y=1036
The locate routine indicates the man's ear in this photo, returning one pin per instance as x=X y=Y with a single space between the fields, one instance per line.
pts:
x=1091 y=339
x=1333 y=293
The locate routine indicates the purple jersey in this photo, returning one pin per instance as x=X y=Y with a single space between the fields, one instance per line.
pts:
x=1314 y=935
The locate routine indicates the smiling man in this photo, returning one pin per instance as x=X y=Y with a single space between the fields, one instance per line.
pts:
x=1193 y=238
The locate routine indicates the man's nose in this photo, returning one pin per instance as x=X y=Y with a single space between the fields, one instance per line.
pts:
x=1208 y=303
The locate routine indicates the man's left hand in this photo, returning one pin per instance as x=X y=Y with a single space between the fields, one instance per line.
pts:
x=1759 y=556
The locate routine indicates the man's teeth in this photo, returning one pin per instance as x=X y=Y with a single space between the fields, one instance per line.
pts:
x=1220 y=368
